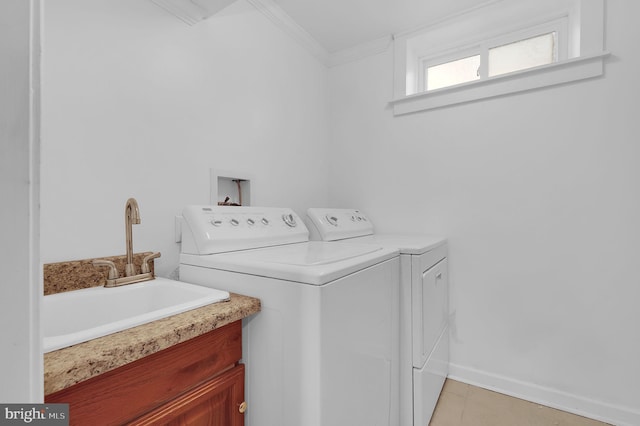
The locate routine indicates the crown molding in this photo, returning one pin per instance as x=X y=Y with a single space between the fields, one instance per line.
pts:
x=283 y=21
x=187 y=12
x=360 y=51
x=447 y=18
x=193 y=11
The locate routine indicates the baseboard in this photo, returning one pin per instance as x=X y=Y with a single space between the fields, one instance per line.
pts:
x=608 y=413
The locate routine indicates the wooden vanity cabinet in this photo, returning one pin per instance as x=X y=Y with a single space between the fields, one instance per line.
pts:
x=211 y=404
x=197 y=382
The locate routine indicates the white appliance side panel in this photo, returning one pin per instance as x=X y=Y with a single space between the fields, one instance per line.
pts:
x=430 y=305
x=406 y=346
x=280 y=346
x=360 y=348
x=428 y=381
x=287 y=359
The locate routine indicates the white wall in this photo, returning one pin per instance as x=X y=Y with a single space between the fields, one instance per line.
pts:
x=20 y=357
x=138 y=104
x=539 y=195
x=538 y=192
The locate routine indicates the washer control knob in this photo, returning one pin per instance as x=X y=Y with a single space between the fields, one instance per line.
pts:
x=264 y=221
x=332 y=220
x=289 y=220
x=234 y=222
x=215 y=222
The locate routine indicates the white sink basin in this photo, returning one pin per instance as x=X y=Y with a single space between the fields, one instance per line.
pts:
x=77 y=316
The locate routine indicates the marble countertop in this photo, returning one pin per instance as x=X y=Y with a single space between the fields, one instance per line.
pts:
x=68 y=366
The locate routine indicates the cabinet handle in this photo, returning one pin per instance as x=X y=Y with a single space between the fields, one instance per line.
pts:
x=243 y=407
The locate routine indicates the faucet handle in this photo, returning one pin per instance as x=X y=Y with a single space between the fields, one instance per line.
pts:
x=113 y=271
x=145 y=262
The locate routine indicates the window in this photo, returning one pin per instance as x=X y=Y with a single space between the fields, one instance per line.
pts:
x=522 y=54
x=451 y=73
x=503 y=47
x=513 y=52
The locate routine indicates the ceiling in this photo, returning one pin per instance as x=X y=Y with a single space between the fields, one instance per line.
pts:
x=343 y=24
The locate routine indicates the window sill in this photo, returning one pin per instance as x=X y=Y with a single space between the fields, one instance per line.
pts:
x=573 y=69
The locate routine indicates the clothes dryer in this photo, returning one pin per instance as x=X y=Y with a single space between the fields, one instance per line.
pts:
x=323 y=350
x=424 y=301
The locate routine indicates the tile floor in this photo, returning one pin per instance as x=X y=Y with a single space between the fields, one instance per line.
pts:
x=465 y=405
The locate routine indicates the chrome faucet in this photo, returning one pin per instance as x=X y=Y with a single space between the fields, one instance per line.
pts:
x=131 y=216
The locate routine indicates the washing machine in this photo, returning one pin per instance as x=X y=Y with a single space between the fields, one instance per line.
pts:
x=324 y=349
x=424 y=301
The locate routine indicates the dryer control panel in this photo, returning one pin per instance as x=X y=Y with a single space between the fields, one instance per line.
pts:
x=337 y=224
x=220 y=229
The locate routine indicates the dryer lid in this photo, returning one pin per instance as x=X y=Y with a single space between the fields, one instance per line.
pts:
x=406 y=243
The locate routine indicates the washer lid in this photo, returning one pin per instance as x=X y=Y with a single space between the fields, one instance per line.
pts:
x=314 y=262
x=311 y=254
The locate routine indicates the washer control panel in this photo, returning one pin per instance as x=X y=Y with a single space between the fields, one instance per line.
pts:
x=219 y=229
x=337 y=224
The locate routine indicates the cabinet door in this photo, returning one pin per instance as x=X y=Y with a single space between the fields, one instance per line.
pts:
x=217 y=402
x=130 y=391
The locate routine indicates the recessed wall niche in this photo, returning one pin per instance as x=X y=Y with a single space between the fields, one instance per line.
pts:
x=230 y=188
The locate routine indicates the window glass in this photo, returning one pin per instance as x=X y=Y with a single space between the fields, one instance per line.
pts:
x=453 y=72
x=523 y=54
